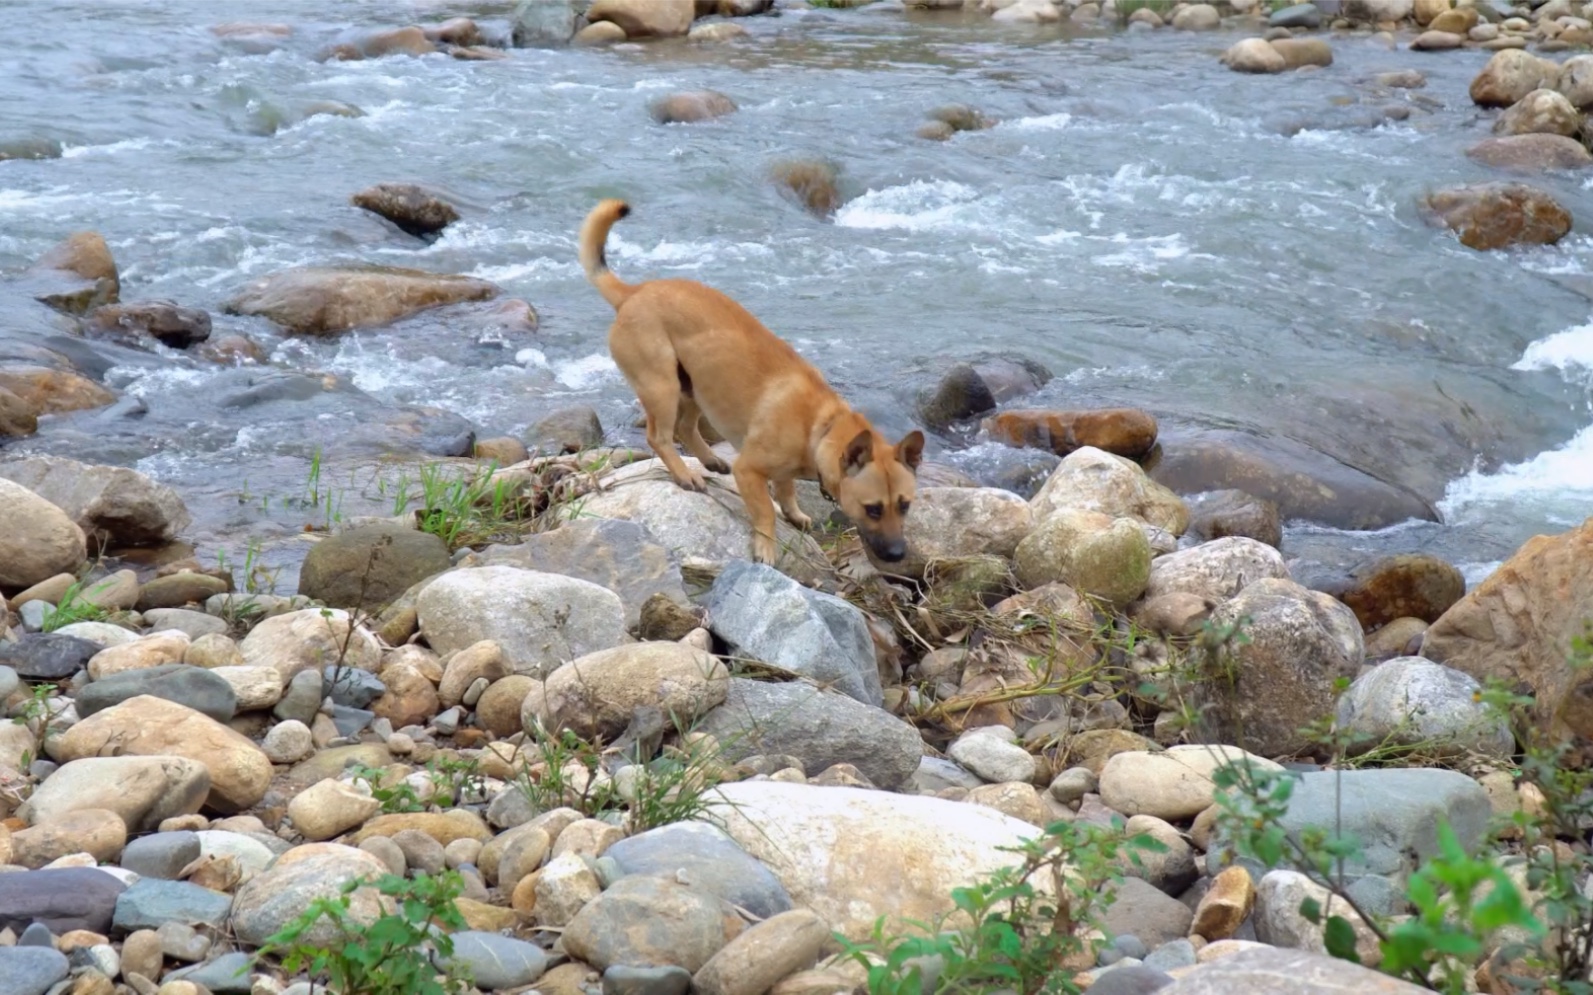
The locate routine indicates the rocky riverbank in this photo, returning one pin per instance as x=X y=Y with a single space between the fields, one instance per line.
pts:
x=189 y=766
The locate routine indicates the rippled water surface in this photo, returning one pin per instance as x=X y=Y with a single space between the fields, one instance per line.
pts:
x=1226 y=251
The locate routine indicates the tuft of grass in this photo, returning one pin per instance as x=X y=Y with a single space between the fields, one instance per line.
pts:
x=75 y=607
x=674 y=786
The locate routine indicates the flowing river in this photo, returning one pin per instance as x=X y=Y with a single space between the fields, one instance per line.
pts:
x=1232 y=253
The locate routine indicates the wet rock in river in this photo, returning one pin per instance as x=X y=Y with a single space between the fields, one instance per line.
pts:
x=691 y=106
x=40 y=390
x=413 y=208
x=968 y=390
x=17 y=420
x=1511 y=75
x=378 y=44
x=29 y=148
x=1304 y=483
x=312 y=300
x=168 y=323
x=1531 y=153
x=599 y=33
x=814 y=184
x=1254 y=55
x=646 y=18
x=1121 y=431
x=77 y=275
x=1499 y=215
x=1541 y=112
x=545 y=23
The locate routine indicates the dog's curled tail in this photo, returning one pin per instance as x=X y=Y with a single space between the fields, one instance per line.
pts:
x=594 y=235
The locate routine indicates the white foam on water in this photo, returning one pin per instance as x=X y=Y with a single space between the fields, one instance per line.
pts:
x=1042 y=122
x=916 y=206
x=1569 y=351
x=540 y=266
x=1142 y=255
x=586 y=371
x=125 y=145
x=1556 y=485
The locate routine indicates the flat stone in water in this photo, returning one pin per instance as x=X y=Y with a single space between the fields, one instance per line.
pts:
x=46 y=656
x=226 y=975
x=496 y=962
x=1301 y=15
x=194 y=687
x=161 y=856
x=149 y=903
x=30 y=970
x=622 y=979
x=62 y=898
x=706 y=858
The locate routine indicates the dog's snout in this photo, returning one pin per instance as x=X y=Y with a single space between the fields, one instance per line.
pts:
x=891 y=550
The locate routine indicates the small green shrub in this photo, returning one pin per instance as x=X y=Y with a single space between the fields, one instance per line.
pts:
x=387 y=957
x=1016 y=936
x=74 y=607
x=674 y=786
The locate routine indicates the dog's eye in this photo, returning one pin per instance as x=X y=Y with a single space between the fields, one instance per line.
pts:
x=875 y=511
x=903 y=505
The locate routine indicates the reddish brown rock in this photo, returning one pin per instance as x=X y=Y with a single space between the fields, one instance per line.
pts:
x=1123 y=431
x=1498 y=215
x=1518 y=625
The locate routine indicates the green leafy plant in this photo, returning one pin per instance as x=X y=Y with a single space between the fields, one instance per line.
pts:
x=393 y=796
x=1018 y=929
x=75 y=606
x=389 y=956
x=454 y=779
x=674 y=786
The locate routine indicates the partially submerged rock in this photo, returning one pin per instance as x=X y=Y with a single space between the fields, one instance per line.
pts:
x=1499 y=215
x=312 y=300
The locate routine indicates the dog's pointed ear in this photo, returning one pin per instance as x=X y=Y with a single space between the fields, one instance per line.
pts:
x=910 y=451
x=858 y=452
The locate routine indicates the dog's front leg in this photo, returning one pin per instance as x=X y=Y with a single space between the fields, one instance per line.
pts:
x=785 y=493
x=754 y=488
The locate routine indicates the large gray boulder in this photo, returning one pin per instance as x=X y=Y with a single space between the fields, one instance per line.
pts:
x=766 y=616
x=1393 y=813
x=119 y=506
x=818 y=727
x=618 y=555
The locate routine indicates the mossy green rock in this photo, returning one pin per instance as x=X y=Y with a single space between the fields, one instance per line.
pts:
x=370 y=567
x=1095 y=554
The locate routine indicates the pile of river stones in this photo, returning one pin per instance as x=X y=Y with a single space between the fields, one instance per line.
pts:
x=185 y=783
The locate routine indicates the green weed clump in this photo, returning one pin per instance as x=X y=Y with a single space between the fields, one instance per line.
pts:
x=390 y=956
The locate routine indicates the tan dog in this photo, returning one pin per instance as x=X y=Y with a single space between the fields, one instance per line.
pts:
x=690 y=352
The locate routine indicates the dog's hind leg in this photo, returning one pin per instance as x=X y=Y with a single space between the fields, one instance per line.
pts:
x=642 y=351
x=689 y=434
x=785 y=494
x=754 y=488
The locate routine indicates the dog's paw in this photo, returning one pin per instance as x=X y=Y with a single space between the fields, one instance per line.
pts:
x=691 y=482
x=763 y=549
x=716 y=465
x=800 y=519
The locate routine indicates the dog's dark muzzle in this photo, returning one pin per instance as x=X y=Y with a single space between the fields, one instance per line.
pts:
x=889 y=550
